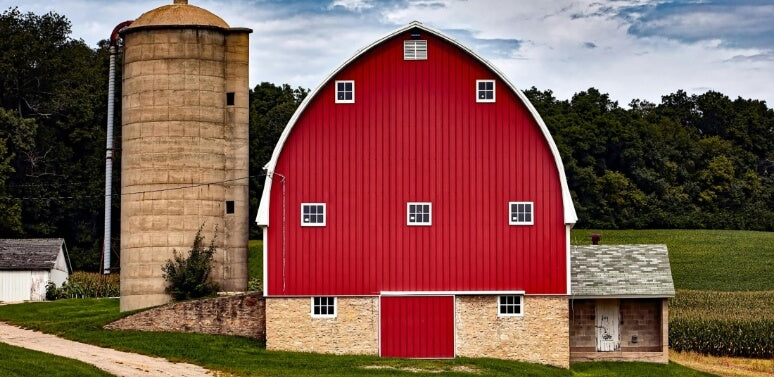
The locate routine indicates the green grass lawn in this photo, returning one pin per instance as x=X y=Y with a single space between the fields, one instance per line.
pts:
x=708 y=260
x=15 y=361
x=82 y=320
x=255 y=259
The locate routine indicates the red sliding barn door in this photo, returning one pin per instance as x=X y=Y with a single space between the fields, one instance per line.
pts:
x=417 y=326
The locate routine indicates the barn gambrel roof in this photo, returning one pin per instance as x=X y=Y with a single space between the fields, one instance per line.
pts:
x=570 y=216
x=601 y=271
x=31 y=254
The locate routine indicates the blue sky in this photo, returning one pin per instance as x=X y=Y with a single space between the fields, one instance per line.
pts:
x=627 y=48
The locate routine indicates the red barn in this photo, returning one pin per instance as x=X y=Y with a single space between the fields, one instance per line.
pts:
x=416 y=206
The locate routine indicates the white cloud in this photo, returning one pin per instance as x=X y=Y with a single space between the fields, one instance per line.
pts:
x=351 y=5
x=545 y=43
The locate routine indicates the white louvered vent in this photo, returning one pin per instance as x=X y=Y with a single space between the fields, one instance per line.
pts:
x=415 y=49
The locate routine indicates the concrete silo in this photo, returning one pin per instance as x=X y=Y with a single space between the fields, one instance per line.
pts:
x=184 y=147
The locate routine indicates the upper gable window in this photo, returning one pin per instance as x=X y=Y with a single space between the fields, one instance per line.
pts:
x=345 y=91
x=485 y=90
x=415 y=49
x=520 y=213
x=312 y=214
x=419 y=213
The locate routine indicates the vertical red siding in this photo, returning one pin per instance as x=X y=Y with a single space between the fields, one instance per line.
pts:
x=418 y=326
x=415 y=133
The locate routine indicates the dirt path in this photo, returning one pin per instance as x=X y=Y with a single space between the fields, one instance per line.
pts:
x=112 y=361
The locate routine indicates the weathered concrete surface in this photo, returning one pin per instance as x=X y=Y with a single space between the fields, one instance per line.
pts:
x=242 y=315
x=184 y=153
x=116 y=362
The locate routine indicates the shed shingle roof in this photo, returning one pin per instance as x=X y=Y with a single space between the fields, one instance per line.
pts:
x=621 y=270
x=29 y=254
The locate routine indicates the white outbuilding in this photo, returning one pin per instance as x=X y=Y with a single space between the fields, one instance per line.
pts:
x=28 y=265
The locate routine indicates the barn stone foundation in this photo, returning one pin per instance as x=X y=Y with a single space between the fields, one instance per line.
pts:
x=354 y=330
x=645 y=319
x=539 y=336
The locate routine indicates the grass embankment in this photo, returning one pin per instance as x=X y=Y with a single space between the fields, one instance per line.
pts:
x=15 y=361
x=705 y=260
x=82 y=320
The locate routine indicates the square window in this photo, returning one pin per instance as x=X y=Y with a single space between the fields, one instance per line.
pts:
x=229 y=206
x=323 y=307
x=510 y=306
x=415 y=49
x=520 y=213
x=313 y=214
x=345 y=91
x=485 y=90
x=419 y=213
x=230 y=99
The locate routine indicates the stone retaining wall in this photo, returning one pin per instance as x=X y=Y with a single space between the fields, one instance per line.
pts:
x=242 y=315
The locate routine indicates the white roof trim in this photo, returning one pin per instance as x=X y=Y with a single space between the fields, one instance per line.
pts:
x=262 y=219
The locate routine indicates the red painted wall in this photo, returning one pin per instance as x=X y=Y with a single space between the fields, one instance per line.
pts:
x=417 y=326
x=415 y=133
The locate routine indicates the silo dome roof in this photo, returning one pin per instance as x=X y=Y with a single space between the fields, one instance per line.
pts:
x=178 y=14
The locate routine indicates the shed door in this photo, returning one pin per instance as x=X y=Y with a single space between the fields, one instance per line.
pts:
x=608 y=336
x=15 y=285
x=417 y=326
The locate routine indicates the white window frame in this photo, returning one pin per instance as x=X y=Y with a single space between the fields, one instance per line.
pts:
x=511 y=214
x=410 y=222
x=336 y=90
x=501 y=305
x=413 y=46
x=335 y=307
x=324 y=214
x=479 y=91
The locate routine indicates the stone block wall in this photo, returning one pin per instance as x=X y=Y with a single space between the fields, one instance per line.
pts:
x=583 y=335
x=242 y=315
x=540 y=336
x=354 y=330
x=641 y=318
x=645 y=318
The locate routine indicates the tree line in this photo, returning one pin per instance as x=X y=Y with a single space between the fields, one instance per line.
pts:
x=691 y=161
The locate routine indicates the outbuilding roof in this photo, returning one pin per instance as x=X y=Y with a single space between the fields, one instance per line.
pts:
x=30 y=254
x=621 y=271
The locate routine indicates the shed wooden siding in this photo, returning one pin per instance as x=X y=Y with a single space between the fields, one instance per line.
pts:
x=416 y=134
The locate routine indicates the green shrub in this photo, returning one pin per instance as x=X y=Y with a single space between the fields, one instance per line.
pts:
x=85 y=284
x=720 y=337
x=254 y=284
x=189 y=277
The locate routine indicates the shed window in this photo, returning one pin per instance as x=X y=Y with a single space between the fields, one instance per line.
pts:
x=323 y=307
x=510 y=306
x=229 y=206
x=419 y=213
x=345 y=91
x=313 y=214
x=230 y=99
x=485 y=90
x=520 y=213
x=415 y=50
